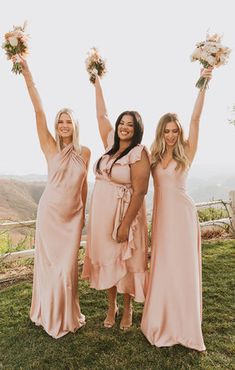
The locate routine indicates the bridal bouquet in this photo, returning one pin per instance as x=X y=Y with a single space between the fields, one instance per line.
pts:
x=210 y=53
x=16 y=42
x=95 y=65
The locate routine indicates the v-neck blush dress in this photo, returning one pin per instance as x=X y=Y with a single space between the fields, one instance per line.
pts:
x=173 y=307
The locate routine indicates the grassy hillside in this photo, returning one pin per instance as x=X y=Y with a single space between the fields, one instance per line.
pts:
x=18 y=200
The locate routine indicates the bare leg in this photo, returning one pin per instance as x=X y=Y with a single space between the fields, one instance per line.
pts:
x=113 y=308
x=126 y=320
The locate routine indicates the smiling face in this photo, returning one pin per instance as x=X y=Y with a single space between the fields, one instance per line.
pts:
x=126 y=128
x=171 y=133
x=65 y=126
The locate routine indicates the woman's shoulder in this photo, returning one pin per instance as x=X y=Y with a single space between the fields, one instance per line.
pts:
x=85 y=154
x=138 y=151
x=85 y=150
x=135 y=155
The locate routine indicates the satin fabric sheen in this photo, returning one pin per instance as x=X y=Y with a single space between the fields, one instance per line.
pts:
x=173 y=308
x=109 y=263
x=55 y=304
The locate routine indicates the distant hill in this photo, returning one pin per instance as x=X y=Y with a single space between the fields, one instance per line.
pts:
x=19 y=195
x=33 y=177
x=202 y=190
x=18 y=200
x=207 y=183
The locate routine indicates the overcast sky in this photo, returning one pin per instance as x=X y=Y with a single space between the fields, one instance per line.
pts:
x=147 y=45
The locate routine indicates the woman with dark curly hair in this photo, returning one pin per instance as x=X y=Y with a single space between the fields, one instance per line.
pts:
x=116 y=253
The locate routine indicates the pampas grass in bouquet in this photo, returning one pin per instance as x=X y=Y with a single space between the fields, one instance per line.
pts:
x=95 y=65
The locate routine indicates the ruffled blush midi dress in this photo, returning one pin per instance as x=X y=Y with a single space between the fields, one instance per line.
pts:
x=109 y=263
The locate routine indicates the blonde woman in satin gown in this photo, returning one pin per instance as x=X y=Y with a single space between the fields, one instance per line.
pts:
x=60 y=219
x=116 y=252
x=173 y=307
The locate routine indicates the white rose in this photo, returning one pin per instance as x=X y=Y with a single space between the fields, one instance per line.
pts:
x=94 y=71
x=196 y=54
x=204 y=55
x=13 y=41
x=211 y=48
x=211 y=60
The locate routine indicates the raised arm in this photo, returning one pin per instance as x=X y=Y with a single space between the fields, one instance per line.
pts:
x=47 y=142
x=140 y=172
x=195 y=118
x=101 y=112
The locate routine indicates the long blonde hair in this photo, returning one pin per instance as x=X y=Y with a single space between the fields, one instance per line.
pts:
x=75 y=139
x=158 y=147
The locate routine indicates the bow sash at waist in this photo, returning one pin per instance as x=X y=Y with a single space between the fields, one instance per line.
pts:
x=123 y=194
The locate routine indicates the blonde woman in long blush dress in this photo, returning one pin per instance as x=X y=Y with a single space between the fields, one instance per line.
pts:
x=173 y=307
x=60 y=219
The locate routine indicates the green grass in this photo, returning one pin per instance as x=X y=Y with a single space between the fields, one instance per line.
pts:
x=24 y=346
x=7 y=245
x=211 y=213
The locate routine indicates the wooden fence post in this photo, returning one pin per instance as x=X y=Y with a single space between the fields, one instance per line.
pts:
x=232 y=207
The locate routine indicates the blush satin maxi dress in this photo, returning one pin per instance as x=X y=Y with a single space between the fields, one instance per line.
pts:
x=55 y=304
x=173 y=307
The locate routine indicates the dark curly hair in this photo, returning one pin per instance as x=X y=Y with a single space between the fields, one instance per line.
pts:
x=136 y=139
